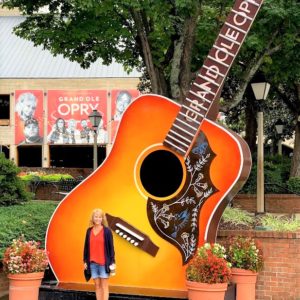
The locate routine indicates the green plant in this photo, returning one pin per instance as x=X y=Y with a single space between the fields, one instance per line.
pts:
x=294 y=185
x=237 y=216
x=209 y=265
x=56 y=177
x=280 y=223
x=244 y=253
x=30 y=219
x=276 y=170
x=24 y=257
x=12 y=188
x=40 y=176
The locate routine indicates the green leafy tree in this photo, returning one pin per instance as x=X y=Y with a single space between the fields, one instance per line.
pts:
x=272 y=49
x=168 y=41
x=12 y=188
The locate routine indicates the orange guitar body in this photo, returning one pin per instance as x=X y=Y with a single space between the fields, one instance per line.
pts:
x=115 y=187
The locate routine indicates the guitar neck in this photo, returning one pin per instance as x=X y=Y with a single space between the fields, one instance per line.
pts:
x=210 y=78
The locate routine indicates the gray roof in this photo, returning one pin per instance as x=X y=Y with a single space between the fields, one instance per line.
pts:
x=20 y=59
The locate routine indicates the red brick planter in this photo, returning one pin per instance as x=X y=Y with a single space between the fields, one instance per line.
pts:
x=280 y=278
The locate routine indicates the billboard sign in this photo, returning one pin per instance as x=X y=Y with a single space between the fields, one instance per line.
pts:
x=68 y=112
x=28 y=117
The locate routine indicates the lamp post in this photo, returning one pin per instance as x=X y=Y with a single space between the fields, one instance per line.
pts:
x=260 y=91
x=279 y=130
x=95 y=118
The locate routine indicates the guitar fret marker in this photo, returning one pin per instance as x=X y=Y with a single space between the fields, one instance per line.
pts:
x=201 y=86
x=183 y=137
x=229 y=39
x=217 y=61
x=178 y=141
x=214 y=69
x=208 y=79
x=190 y=126
x=242 y=14
x=182 y=129
x=224 y=51
x=199 y=96
x=253 y=2
x=191 y=120
x=199 y=106
x=236 y=28
x=175 y=146
x=193 y=110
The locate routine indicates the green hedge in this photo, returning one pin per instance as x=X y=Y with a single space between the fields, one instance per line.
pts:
x=294 y=184
x=30 y=219
x=276 y=172
x=47 y=177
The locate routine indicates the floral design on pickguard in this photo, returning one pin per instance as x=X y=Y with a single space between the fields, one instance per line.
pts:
x=176 y=220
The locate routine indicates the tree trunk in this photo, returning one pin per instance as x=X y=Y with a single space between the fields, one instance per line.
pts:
x=295 y=167
x=180 y=77
x=157 y=79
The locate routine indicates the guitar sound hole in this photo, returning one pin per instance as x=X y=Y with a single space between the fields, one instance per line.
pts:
x=161 y=173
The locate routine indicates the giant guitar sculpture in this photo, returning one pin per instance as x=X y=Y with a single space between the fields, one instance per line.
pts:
x=166 y=182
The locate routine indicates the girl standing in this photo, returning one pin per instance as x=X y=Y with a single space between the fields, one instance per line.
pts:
x=99 y=254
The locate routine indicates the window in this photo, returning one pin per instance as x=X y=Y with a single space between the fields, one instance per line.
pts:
x=4 y=149
x=30 y=156
x=4 y=107
x=75 y=156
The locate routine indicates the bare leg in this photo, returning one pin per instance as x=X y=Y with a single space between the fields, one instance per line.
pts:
x=98 y=289
x=104 y=288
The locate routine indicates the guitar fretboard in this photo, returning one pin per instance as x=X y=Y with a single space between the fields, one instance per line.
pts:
x=210 y=79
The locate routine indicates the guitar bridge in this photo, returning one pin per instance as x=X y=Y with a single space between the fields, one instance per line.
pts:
x=132 y=235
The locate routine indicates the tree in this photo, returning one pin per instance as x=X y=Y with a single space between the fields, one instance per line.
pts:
x=273 y=49
x=12 y=188
x=154 y=36
x=168 y=41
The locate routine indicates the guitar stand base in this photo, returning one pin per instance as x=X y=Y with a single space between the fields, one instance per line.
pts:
x=51 y=290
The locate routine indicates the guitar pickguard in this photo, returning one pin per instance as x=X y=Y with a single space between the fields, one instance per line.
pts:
x=177 y=220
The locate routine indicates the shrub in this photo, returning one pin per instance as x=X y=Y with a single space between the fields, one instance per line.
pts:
x=30 y=219
x=280 y=223
x=276 y=171
x=237 y=216
x=36 y=176
x=294 y=185
x=12 y=188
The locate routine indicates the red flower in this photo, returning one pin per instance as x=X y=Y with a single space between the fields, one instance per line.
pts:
x=24 y=257
x=209 y=265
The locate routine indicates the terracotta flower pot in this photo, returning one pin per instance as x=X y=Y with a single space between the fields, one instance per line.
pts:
x=245 y=281
x=25 y=286
x=199 y=290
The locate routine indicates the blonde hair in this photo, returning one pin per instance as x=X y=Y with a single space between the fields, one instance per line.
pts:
x=100 y=211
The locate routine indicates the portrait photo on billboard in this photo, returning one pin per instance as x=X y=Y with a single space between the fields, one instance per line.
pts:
x=68 y=121
x=29 y=117
x=120 y=99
